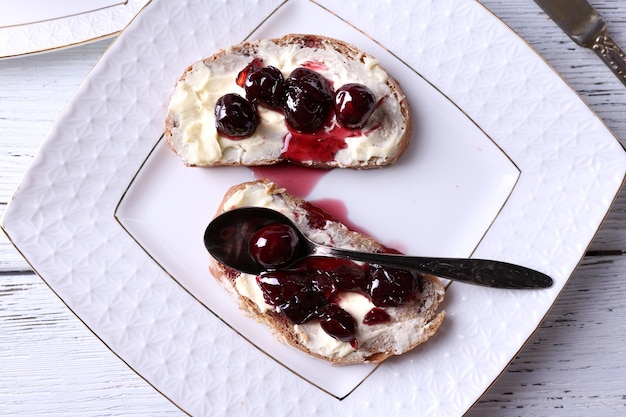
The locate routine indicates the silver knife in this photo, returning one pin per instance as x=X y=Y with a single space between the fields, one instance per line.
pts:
x=585 y=26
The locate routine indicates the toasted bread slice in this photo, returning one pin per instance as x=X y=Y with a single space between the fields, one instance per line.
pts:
x=190 y=124
x=411 y=323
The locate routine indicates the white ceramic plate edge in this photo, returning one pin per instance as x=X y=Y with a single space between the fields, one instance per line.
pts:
x=66 y=31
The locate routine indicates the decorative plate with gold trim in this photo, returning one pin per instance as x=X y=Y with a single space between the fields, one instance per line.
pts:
x=33 y=26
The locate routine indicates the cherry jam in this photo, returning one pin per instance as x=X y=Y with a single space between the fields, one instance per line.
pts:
x=265 y=86
x=354 y=104
x=318 y=119
x=338 y=323
x=308 y=101
x=376 y=316
x=274 y=245
x=311 y=288
x=321 y=145
x=234 y=116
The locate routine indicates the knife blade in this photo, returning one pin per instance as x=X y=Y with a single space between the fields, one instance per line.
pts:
x=585 y=26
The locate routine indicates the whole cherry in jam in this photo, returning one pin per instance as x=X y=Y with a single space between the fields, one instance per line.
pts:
x=354 y=104
x=391 y=286
x=338 y=323
x=274 y=245
x=266 y=86
x=234 y=116
x=312 y=83
x=308 y=100
x=294 y=294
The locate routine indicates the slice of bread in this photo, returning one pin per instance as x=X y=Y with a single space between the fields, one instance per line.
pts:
x=411 y=324
x=190 y=124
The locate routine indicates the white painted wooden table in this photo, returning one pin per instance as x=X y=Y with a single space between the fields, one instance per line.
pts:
x=51 y=364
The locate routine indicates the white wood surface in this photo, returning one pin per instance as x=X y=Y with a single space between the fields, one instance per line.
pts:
x=51 y=364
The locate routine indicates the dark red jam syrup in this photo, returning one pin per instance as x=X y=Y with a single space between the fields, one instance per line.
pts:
x=321 y=145
x=310 y=289
x=318 y=119
x=376 y=315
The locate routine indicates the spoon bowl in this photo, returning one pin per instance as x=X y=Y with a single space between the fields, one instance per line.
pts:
x=228 y=239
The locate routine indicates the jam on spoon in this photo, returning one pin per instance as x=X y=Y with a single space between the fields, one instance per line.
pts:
x=274 y=245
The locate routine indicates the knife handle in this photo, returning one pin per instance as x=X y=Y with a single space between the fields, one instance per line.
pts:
x=611 y=54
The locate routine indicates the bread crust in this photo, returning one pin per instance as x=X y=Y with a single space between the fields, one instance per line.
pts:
x=422 y=310
x=250 y=50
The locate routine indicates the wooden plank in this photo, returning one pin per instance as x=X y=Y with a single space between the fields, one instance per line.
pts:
x=574 y=364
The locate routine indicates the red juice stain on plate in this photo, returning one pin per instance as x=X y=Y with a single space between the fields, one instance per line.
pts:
x=298 y=180
x=339 y=211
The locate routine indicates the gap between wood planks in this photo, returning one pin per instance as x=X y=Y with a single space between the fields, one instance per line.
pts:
x=608 y=252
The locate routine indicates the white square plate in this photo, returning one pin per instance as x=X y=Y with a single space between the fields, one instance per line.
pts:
x=439 y=199
x=506 y=162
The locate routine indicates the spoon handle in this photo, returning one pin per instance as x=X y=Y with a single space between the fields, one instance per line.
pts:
x=488 y=273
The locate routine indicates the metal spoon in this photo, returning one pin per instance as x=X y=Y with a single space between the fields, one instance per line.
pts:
x=227 y=238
